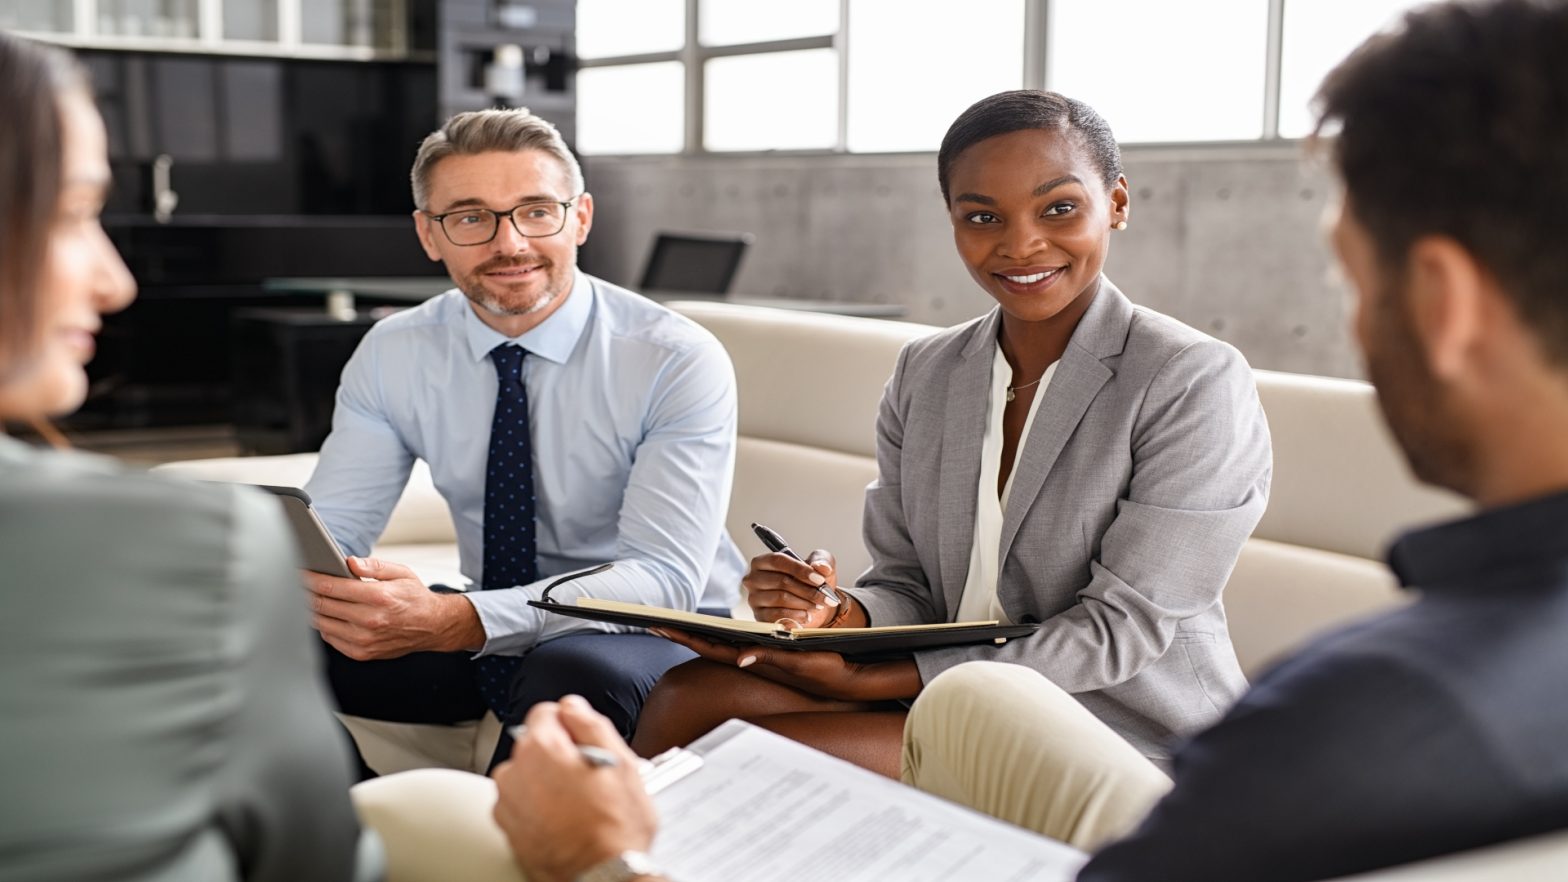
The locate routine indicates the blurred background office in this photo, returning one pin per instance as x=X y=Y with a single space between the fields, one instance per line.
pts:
x=785 y=150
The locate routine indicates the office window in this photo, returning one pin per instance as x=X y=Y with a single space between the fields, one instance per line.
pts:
x=250 y=19
x=729 y=22
x=347 y=22
x=37 y=15
x=606 y=28
x=912 y=70
x=1163 y=71
x=772 y=101
x=148 y=18
x=1318 y=35
x=633 y=108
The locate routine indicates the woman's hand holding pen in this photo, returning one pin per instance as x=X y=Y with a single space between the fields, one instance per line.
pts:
x=782 y=588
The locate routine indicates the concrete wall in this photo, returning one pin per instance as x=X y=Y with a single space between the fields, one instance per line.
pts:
x=1227 y=239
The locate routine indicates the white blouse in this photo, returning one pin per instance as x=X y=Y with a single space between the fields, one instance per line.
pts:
x=978 y=602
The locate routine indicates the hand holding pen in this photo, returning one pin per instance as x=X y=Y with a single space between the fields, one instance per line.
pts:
x=783 y=587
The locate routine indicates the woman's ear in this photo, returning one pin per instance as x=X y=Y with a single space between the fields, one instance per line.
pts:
x=1121 y=203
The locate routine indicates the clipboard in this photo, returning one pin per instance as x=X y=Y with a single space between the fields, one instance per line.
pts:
x=859 y=643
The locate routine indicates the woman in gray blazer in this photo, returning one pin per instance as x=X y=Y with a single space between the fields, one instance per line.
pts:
x=160 y=712
x=1068 y=459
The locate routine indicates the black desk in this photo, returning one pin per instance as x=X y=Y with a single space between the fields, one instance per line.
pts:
x=286 y=365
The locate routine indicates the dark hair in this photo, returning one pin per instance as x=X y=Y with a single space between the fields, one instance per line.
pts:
x=32 y=78
x=1456 y=124
x=1021 y=109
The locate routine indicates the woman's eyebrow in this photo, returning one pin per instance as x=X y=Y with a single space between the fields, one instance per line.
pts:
x=1050 y=185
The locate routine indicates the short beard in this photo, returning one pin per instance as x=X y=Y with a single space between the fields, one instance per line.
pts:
x=1413 y=402
x=484 y=301
x=473 y=288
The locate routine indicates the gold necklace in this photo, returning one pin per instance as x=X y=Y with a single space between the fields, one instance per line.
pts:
x=1013 y=389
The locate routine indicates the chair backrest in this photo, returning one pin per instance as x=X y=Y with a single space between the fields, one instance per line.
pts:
x=809 y=389
x=1341 y=492
x=694 y=263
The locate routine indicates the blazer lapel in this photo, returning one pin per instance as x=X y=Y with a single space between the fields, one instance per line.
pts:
x=968 y=395
x=1080 y=375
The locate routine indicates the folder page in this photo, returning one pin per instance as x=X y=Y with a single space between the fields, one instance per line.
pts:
x=766 y=809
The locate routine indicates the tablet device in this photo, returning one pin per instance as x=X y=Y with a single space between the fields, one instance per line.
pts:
x=319 y=550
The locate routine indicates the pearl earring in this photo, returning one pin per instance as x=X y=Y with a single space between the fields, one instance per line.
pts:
x=1120 y=225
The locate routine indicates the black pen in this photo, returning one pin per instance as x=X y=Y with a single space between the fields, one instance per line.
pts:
x=775 y=542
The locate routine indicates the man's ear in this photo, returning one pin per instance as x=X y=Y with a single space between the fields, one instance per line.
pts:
x=427 y=233
x=584 y=210
x=1446 y=295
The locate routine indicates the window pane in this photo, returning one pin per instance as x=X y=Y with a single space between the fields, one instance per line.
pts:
x=1318 y=35
x=894 y=55
x=1159 y=72
x=36 y=15
x=727 y=22
x=629 y=27
x=346 y=22
x=635 y=108
x=250 y=20
x=774 y=101
x=148 y=18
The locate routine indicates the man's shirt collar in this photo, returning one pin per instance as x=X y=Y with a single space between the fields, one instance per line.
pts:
x=1476 y=550
x=554 y=338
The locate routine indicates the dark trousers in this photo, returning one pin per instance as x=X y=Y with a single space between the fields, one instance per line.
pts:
x=614 y=672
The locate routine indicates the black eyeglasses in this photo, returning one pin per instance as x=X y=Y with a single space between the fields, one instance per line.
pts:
x=478 y=226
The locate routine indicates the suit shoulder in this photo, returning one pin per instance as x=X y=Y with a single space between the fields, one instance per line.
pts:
x=98 y=514
x=1157 y=342
x=942 y=347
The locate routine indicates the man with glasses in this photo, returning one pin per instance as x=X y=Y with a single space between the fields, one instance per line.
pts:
x=567 y=423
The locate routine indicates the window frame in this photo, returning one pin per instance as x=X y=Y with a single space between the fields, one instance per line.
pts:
x=209 y=37
x=1036 y=23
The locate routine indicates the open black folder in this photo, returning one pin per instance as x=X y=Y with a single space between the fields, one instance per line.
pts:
x=886 y=641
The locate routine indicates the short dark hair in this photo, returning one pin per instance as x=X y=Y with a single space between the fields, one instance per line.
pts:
x=32 y=79
x=1021 y=109
x=1455 y=123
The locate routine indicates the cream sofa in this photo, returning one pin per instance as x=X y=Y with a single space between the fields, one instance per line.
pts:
x=809 y=387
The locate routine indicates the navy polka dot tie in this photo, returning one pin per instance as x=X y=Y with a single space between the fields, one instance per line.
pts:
x=509 y=512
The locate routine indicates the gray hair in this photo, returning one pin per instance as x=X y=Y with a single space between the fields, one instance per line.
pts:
x=483 y=131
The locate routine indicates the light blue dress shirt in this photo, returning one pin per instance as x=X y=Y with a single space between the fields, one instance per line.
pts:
x=633 y=411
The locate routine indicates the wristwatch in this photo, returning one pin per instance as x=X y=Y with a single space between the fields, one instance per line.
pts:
x=623 y=867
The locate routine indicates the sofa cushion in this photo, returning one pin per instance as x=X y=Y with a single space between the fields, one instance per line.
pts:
x=813 y=497
x=420 y=516
x=806 y=378
x=1281 y=594
x=1340 y=484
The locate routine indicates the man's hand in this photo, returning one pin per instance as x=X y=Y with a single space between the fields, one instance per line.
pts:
x=391 y=615
x=560 y=814
x=826 y=674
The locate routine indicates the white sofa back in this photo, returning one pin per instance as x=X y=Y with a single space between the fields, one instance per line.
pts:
x=809 y=386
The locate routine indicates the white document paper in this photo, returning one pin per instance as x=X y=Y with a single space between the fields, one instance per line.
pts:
x=763 y=808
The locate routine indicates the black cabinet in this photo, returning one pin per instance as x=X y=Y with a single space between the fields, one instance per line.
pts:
x=286 y=368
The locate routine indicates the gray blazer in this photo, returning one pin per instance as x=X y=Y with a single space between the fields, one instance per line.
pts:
x=1146 y=469
x=162 y=716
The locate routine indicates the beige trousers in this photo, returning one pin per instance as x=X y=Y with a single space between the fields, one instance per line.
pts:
x=1003 y=740
x=436 y=826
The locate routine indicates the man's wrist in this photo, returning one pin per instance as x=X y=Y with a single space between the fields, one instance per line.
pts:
x=462 y=627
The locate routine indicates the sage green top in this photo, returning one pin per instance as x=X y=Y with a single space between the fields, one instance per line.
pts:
x=162 y=714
